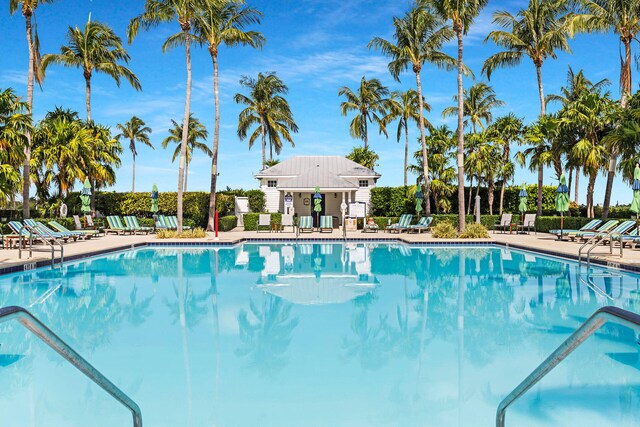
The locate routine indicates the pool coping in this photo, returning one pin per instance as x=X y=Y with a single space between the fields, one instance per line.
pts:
x=26 y=266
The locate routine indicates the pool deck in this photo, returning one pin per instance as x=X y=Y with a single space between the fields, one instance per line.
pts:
x=542 y=242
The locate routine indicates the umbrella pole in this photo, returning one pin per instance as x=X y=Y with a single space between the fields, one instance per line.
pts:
x=561 y=224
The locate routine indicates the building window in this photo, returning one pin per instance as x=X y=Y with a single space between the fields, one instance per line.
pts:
x=272 y=183
x=363 y=183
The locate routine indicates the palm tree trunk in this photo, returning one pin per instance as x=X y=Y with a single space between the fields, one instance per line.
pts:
x=475 y=204
x=26 y=165
x=540 y=179
x=490 y=195
x=461 y=217
x=270 y=151
x=185 y=129
x=87 y=79
x=540 y=89
x=590 y=187
x=264 y=143
x=406 y=151
x=133 y=175
x=504 y=184
x=470 y=195
x=625 y=89
x=93 y=195
x=425 y=159
x=186 y=174
x=577 y=186
x=366 y=132
x=216 y=137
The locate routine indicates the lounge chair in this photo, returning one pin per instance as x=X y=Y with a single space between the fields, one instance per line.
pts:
x=17 y=229
x=161 y=222
x=326 y=223
x=370 y=226
x=264 y=221
x=89 y=220
x=172 y=222
x=116 y=226
x=630 y=237
x=528 y=223
x=609 y=225
x=402 y=224
x=132 y=222
x=305 y=223
x=424 y=224
x=287 y=221
x=85 y=234
x=42 y=230
x=603 y=235
x=590 y=226
x=504 y=224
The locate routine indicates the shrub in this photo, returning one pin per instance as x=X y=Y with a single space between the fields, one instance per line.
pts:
x=257 y=200
x=251 y=220
x=227 y=223
x=444 y=230
x=195 y=233
x=474 y=231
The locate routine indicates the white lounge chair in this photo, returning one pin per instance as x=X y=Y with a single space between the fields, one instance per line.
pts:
x=264 y=220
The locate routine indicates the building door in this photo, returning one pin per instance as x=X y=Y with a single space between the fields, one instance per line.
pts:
x=314 y=214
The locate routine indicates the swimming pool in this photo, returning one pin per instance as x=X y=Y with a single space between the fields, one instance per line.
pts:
x=318 y=335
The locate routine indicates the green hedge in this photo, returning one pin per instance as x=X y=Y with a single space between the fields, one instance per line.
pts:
x=227 y=223
x=251 y=220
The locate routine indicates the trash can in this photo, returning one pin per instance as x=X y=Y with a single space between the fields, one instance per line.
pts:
x=351 y=224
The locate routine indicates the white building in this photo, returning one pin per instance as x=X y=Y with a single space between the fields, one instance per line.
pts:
x=339 y=179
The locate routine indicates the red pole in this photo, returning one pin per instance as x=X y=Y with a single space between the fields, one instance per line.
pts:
x=216 y=224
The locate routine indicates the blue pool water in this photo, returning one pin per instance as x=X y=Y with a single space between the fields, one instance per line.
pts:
x=352 y=335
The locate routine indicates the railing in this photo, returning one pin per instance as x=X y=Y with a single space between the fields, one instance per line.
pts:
x=46 y=238
x=595 y=240
x=40 y=330
x=588 y=328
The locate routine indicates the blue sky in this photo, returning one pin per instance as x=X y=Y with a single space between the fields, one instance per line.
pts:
x=316 y=47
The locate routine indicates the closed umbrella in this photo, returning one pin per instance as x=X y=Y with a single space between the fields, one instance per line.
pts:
x=522 y=207
x=562 y=200
x=419 y=199
x=635 y=203
x=85 y=196
x=154 y=199
x=317 y=204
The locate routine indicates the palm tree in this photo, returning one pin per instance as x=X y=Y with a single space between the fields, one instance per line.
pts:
x=369 y=103
x=222 y=23
x=28 y=8
x=98 y=49
x=482 y=161
x=102 y=160
x=478 y=101
x=537 y=32
x=461 y=13
x=364 y=156
x=418 y=38
x=134 y=130
x=506 y=130
x=183 y=12
x=623 y=17
x=405 y=107
x=196 y=140
x=268 y=110
x=15 y=124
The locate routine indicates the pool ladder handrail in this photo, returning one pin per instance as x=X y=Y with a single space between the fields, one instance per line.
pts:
x=47 y=239
x=595 y=240
x=588 y=328
x=46 y=335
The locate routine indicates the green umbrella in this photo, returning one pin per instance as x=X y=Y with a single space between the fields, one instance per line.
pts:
x=317 y=204
x=154 y=199
x=419 y=199
x=562 y=200
x=85 y=196
x=522 y=207
x=635 y=203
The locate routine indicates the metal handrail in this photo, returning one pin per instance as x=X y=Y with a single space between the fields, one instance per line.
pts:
x=48 y=238
x=594 y=240
x=588 y=328
x=45 y=334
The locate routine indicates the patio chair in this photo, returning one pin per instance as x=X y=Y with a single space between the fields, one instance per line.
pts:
x=370 y=226
x=609 y=225
x=264 y=220
x=590 y=226
x=326 y=224
x=17 y=230
x=42 y=230
x=172 y=221
x=116 y=226
x=287 y=221
x=89 y=219
x=504 y=224
x=630 y=237
x=424 y=224
x=161 y=222
x=402 y=224
x=603 y=235
x=85 y=234
x=132 y=222
x=305 y=223
x=528 y=223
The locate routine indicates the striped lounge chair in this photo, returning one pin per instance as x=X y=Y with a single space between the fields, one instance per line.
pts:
x=305 y=223
x=42 y=230
x=601 y=235
x=424 y=224
x=402 y=224
x=607 y=226
x=172 y=222
x=132 y=223
x=85 y=234
x=326 y=223
x=116 y=226
x=590 y=226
